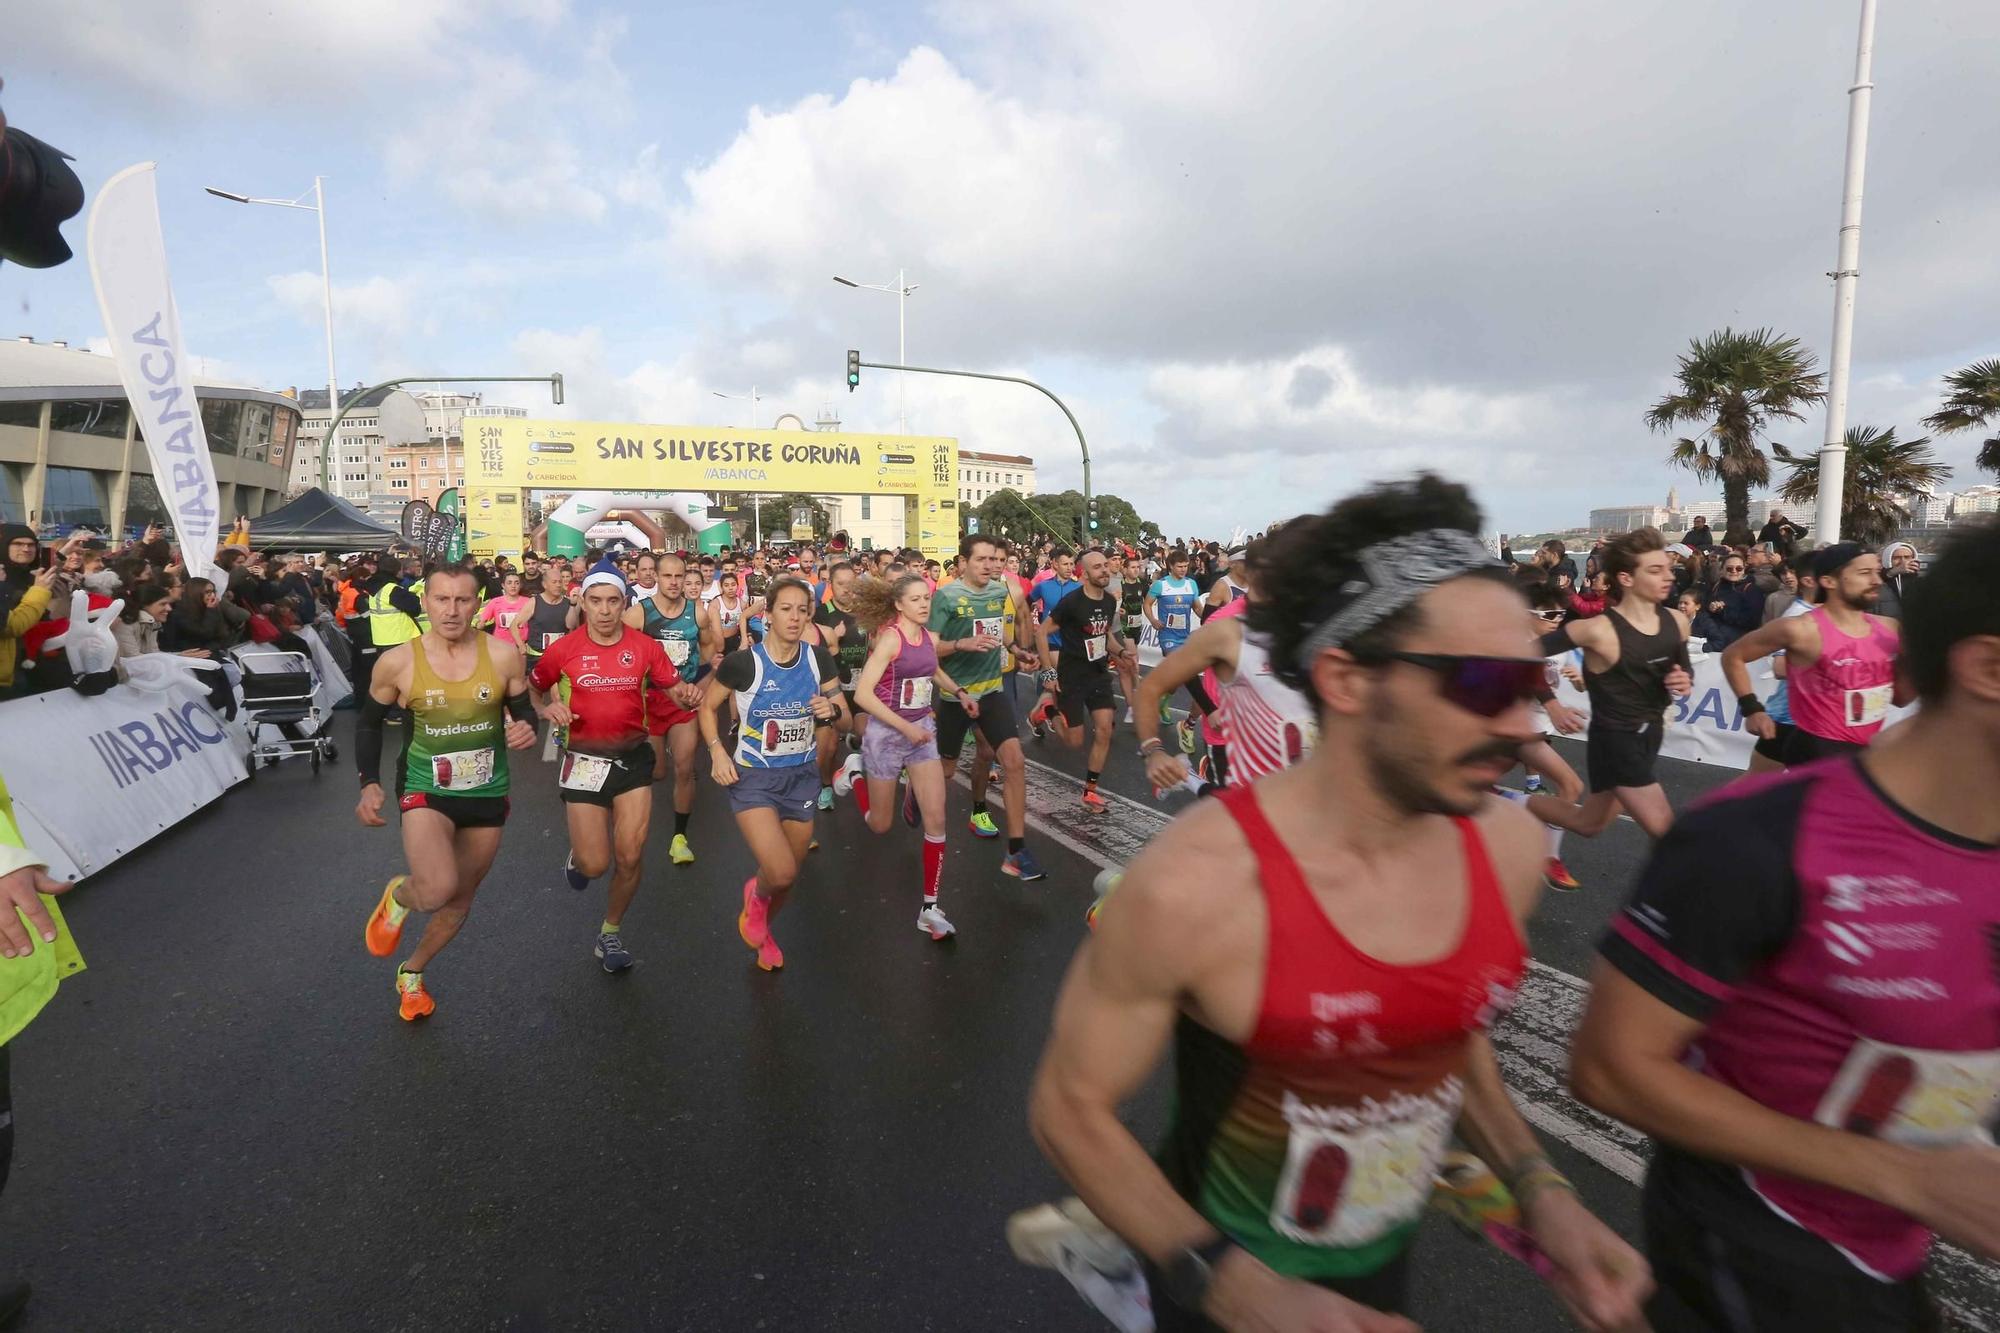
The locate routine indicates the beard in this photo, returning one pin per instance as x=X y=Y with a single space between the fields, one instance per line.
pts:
x=1401 y=768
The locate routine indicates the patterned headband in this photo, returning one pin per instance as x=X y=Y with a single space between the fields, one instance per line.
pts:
x=1393 y=574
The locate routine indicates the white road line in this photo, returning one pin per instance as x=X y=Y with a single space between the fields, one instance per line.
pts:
x=1532 y=1043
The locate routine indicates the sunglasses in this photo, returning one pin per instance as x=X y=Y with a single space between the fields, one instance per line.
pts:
x=1487 y=686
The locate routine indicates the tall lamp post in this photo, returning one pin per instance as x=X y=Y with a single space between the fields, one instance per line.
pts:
x=756 y=512
x=901 y=291
x=1846 y=276
x=318 y=205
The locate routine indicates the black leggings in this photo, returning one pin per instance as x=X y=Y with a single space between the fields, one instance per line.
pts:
x=1200 y=697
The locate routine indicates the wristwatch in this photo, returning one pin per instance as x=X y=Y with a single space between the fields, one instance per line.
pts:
x=1188 y=1275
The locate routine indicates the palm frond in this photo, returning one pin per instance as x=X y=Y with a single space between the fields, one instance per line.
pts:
x=1972 y=398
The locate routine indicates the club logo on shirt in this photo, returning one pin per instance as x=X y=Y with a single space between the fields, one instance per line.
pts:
x=625 y=659
x=1859 y=893
x=484 y=694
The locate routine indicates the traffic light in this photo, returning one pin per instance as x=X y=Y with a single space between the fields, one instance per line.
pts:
x=853 y=370
x=1093 y=513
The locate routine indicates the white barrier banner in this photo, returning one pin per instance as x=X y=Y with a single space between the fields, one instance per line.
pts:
x=1707 y=726
x=128 y=264
x=97 y=776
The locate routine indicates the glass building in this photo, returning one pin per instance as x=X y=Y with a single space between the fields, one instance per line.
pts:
x=71 y=455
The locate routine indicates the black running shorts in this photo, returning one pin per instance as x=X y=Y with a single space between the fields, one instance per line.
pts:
x=996 y=723
x=462 y=811
x=1619 y=757
x=630 y=770
x=1774 y=748
x=1802 y=747
x=1082 y=691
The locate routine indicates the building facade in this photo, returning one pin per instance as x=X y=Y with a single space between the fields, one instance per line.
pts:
x=422 y=471
x=374 y=422
x=981 y=475
x=445 y=413
x=71 y=454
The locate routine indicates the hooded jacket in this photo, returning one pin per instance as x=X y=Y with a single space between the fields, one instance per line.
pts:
x=23 y=603
x=1894 y=586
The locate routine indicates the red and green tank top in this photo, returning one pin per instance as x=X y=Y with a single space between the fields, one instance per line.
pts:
x=457 y=742
x=1314 y=1144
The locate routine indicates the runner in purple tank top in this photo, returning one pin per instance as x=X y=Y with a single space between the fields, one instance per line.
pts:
x=1802 y=1005
x=896 y=687
x=1840 y=661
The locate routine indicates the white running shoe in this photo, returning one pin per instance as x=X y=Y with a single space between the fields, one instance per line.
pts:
x=848 y=774
x=1068 y=1237
x=933 y=922
x=1128 y=716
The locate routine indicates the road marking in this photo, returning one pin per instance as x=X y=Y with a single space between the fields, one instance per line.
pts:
x=1532 y=1043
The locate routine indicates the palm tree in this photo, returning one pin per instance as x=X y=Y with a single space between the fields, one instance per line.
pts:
x=1882 y=472
x=1974 y=401
x=1737 y=383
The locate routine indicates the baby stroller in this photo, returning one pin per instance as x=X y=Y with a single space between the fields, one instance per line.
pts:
x=280 y=692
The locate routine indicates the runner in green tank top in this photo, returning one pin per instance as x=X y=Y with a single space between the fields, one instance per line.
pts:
x=452 y=782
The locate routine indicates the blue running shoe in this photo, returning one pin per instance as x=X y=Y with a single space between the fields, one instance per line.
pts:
x=1023 y=865
x=577 y=879
x=611 y=949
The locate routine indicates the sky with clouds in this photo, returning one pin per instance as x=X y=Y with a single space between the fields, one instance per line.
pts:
x=1267 y=251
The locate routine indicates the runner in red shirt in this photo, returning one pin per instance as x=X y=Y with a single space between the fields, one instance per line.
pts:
x=606 y=775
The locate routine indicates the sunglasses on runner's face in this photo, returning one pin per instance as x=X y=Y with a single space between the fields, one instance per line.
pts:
x=1487 y=686
x=1549 y=613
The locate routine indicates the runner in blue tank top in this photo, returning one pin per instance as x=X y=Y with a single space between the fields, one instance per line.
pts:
x=1170 y=606
x=896 y=687
x=783 y=689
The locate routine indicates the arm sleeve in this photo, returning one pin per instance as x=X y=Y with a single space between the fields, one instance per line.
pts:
x=737 y=670
x=1699 y=922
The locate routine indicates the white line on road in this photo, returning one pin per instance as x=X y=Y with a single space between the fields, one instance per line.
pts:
x=1532 y=1044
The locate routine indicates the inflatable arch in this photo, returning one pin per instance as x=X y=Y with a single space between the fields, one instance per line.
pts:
x=575 y=516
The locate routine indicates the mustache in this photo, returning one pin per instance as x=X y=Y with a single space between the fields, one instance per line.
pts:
x=1508 y=750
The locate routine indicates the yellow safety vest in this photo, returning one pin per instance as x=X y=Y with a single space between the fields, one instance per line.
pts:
x=423 y=621
x=390 y=624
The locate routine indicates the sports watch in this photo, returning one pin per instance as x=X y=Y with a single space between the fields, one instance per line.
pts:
x=1189 y=1274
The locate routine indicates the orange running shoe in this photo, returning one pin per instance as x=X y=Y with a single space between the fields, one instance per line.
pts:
x=1093 y=802
x=1558 y=877
x=417 y=1002
x=385 y=923
x=769 y=956
x=753 y=922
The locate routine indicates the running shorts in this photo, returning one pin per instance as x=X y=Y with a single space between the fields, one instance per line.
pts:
x=663 y=714
x=885 y=751
x=792 y=791
x=1386 y=1289
x=996 y=722
x=1774 y=749
x=1723 y=1259
x=462 y=811
x=1622 y=758
x=1802 y=747
x=631 y=770
x=1081 y=692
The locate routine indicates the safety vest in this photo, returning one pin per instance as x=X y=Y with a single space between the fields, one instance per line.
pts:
x=350 y=603
x=389 y=624
x=423 y=621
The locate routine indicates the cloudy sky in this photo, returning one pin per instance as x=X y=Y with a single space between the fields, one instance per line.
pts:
x=1266 y=251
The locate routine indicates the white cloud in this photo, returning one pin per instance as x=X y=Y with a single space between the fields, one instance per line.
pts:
x=378 y=316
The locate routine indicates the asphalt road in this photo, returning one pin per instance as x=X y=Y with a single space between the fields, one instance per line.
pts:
x=222 y=1123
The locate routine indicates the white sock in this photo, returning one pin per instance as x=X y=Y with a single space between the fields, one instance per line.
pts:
x=1555 y=842
x=1192 y=784
x=1510 y=794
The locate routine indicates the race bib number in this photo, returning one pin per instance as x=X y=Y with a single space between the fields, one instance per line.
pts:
x=1347 y=1182
x=678 y=651
x=1134 y=622
x=1094 y=648
x=1926 y=1099
x=549 y=637
x=1870 y=705
x=1176 y=620
x=990 y=627
x=463 y=770
x=784 y=736
x=583 y=772
x=915 y=693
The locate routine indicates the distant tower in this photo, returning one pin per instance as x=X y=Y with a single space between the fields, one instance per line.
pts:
x=826 y=420
x=1673 y=498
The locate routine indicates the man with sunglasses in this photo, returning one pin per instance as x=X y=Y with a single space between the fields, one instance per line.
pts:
x=1325 y=951
x=1635 y=661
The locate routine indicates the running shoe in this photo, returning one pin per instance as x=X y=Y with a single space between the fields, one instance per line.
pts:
x=769 y=956
x=577 y=879
x=1201 y=769
x=1557 y=876
x=1069 y=1239
x=1094 y=802
x=848 y=774
x=1185 y=730
x=910 y=813
x=753 y=923
x=612 y=950
x=1023 y=865
x=813 y=845
x=826 y=798
x=385 y=923
x=679 y=852
x=1103 y=886
x=1466 y=1191
x=1166 y=713
x=414 y=1001
x=1128 y=715
x=933 y=921
x=983 y=825
x=1534 y=782
x=1038 y=716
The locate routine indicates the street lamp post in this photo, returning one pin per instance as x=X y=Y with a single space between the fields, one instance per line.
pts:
x=756 y=512
x=318 y=205
x=901 y=291
x=1846 y=276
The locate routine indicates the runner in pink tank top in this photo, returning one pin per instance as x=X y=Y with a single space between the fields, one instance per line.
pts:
x=1846 y=693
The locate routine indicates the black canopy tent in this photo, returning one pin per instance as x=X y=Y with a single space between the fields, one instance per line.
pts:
x=317 y=521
